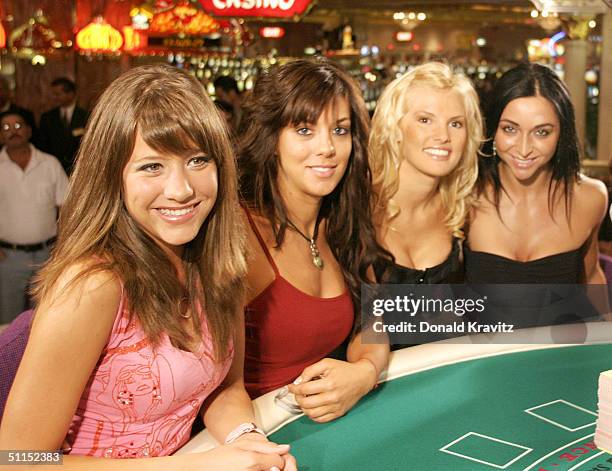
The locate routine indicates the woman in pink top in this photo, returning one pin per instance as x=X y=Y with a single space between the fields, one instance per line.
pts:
x=305 y=184
x=139 y=311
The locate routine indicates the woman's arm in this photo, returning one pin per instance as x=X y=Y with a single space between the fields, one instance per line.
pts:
x=593 y=272
x=596 y=196
x=592 y=195
x=229 y=405
x=69 y=332
x=70 y=329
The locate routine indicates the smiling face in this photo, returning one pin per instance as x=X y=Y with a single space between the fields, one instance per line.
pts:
x=169 y=196
x=433 y=130
x=527 y=137
x=313 y=156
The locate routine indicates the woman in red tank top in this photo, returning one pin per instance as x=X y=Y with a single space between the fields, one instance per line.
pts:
x=305 y=184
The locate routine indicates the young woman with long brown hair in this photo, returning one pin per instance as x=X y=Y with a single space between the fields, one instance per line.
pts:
x=305 y=184
x=139 y=310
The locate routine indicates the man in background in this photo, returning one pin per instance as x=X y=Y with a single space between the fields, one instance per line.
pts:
x=32 y=188
x=62 y=127
x=226 y=89
x=227 y=111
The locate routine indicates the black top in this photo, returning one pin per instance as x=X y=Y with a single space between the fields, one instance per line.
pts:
x=501 y=280
x=560 y=268
x=449 y=271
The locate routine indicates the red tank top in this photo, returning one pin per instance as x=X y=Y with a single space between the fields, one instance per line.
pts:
x=288 y=330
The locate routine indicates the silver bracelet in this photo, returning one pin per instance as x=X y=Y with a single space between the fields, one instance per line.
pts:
x=241 y=430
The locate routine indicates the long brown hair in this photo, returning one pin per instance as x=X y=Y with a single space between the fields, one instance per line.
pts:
x=298 y=92
x=174 y=115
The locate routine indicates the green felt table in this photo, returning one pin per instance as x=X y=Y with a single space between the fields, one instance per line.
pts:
x=519 y=411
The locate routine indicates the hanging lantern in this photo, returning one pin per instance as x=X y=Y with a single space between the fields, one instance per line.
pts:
x=134 y=39
x=2 y=36
x=34 y=37
x=141 y=16
x=99 y=36
x=183 y=18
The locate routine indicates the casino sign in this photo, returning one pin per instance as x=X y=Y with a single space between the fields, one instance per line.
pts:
x=258 y=8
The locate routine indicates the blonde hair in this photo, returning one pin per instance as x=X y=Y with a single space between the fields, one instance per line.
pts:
x=173 y=114
x=384 y=145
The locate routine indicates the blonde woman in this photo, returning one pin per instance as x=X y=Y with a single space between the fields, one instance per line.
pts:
x=139 y=310
x=423 y=147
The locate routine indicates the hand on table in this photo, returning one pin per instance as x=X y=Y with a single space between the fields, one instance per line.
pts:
x=329 y=388
x=290 y=464
x=251 y=452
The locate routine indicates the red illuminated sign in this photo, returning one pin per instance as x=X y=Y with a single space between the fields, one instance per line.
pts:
x=260 y=8
x=272 y=32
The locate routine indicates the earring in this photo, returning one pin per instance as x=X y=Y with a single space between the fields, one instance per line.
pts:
x=494 y=150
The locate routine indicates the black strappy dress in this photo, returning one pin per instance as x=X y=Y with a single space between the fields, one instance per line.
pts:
x=557 y=294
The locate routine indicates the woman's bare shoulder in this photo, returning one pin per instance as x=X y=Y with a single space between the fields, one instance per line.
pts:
x=82 y=288
x=260 y=273
x=591 y=198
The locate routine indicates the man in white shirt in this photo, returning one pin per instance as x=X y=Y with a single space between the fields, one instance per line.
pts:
x=32 y=187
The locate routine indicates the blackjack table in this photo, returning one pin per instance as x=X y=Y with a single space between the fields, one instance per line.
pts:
x=475 y=403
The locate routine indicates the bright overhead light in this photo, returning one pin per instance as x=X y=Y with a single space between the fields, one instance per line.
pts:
x=583 y=7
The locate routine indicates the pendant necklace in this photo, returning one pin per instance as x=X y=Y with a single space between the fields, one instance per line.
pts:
x=317 y=261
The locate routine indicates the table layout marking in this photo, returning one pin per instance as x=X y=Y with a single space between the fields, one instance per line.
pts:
x=558 y=449
x=545 y=419
x=588 y=459
x=526 y=452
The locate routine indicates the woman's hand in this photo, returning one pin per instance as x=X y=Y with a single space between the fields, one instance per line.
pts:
x=251 y=452
x=329 y=388
x=290 y=464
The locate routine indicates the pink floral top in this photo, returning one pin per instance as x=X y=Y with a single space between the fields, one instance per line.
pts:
x=142 y=401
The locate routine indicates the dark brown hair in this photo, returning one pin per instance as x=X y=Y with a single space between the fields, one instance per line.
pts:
x=294 y=93
x=527 y=80
x=173 y=113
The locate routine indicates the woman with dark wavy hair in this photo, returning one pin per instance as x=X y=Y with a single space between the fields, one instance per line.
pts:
x=537 y=218
x=139 y=309
x=305 y=185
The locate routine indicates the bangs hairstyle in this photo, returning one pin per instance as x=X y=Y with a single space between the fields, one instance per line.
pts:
x=294 y=93
x=173 y=114
x=529 y=80
x=455 y=188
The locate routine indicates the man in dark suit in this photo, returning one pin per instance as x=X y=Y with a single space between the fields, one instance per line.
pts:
x=7 y=105
x=62 y=127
